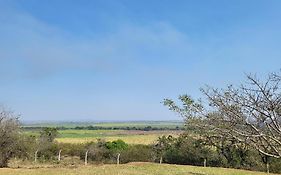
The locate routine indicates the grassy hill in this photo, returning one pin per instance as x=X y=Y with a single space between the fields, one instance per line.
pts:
x=129 y=169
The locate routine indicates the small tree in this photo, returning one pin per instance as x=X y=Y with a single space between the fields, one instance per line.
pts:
x=163 y=143
x=45 y=143
x=9 y=136
x=116 y=147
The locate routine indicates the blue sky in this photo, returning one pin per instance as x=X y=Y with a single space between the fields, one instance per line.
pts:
x=118 y=59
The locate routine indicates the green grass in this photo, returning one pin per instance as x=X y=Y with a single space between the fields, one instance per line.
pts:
x=129 y=169
x=86 y=133
x=130 y=137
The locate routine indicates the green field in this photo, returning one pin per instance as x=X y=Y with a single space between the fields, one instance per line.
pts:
x=129 y=136
x=128 y=169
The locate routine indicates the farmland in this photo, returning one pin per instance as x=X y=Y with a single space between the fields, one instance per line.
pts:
x=130 y=137
x=69 y=135
x=128 y=169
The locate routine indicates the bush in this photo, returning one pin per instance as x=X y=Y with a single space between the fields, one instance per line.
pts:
x=137 y=153
x=117 y=145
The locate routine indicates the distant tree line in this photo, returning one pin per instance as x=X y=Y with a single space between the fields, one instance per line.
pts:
x=91 y=127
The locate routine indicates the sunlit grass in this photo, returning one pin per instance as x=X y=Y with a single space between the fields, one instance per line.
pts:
x=133 y=139
x=130 y=137
x=129 y=169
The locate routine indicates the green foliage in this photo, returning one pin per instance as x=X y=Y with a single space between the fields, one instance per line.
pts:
x=137 y=153
x=188 y=150
x=117 y=145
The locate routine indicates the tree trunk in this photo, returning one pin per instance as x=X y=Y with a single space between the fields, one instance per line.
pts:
x=267 y=168
x=118 y=159
x=35 y=156
x=161 y=159
x=59 y=157
x=86 y=157
x=205 y=162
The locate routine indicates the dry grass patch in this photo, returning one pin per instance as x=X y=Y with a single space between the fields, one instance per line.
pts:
x=129 y=169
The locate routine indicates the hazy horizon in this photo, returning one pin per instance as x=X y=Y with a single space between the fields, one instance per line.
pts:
x=118 y=59
x=94 y=121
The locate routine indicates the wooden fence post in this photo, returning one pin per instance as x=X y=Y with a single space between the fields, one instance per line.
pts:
x=35 y=156
x=205 y=162
x=86 y=157
x=59 y=157
x=118 y=158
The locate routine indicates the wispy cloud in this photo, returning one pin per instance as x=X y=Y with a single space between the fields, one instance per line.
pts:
x=32 y=48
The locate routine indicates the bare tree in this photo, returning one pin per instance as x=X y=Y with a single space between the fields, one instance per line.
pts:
x=44 y=143
x=250 y=113
x=9 y=135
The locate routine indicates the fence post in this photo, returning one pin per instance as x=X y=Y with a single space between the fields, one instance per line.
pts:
x=86 y=157
x=205 y=162
x=35 y=156
x=118 y=158
x=59 y=157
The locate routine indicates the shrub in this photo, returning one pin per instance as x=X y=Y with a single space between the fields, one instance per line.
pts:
x=137 y=153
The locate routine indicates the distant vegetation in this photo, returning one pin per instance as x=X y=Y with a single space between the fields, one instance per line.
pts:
x=132 y=125
x=144 y=128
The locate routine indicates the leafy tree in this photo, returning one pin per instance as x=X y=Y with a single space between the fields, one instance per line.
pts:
x=45 y=145
x=163 y=143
